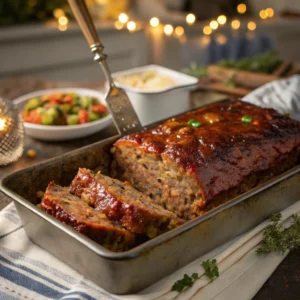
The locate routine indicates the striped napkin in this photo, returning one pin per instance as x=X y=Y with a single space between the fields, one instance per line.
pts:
x=29 y=272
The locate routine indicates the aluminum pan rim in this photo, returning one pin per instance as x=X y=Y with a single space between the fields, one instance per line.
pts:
x=136 y=251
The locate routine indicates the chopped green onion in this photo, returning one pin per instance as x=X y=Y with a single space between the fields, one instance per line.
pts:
x=246 y=119
x=194 y=123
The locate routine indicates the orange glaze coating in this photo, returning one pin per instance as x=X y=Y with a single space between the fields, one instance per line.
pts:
x=121 y=203
x=223 y=151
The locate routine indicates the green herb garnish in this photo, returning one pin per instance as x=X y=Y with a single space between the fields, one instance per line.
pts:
x=278 y=239
x=287 y=114
x=194 y=123
x=246 y=119
x=211 y=269
x=185 y=282
x=267 y=62
x=197 y=71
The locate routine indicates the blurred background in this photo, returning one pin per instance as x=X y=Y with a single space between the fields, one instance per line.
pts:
x=39 y=38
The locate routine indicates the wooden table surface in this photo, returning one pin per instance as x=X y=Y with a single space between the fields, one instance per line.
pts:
x=285 y=281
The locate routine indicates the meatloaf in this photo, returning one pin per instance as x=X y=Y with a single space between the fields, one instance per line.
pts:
x=123 y=204
x=72 y=211
x=193 y=162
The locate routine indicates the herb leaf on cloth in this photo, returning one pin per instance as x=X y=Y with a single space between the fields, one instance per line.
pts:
x=185 y=282
x=211 y=269
x=278 y=239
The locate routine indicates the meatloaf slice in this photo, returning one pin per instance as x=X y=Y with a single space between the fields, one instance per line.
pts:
x=123 y=204
x=72 y=211
x=195 y=161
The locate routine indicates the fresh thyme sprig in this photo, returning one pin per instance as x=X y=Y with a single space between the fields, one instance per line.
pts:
x=211 y=271
x=278 y=239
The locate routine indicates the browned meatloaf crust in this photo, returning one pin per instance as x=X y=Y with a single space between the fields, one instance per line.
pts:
x=183 y=168
x=123 y=204
x=72 y=211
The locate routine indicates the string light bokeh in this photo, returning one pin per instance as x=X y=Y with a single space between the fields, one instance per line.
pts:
x=190 y=19
x=124 y=22
x=154 y=22
x=168 y=29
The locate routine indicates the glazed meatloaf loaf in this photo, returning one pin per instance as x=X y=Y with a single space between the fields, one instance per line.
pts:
x=72 y=211
x=123 y=204
x=192 y=163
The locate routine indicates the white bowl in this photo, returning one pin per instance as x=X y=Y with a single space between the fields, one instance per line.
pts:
x=158 y=104
x=63 y=132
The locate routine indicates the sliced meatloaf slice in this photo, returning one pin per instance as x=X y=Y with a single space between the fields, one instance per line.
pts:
x=72 y=211
x=193 y=162
x=121 y=203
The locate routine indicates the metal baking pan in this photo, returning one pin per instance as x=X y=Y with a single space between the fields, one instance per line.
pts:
x=133 y=270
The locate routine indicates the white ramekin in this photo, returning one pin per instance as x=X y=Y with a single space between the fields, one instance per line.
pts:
x=152 y=106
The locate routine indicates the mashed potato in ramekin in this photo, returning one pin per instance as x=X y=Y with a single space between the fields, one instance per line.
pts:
x=148 y=80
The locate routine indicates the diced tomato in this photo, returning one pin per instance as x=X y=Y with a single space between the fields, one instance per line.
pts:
x=33 y=117
x=68 y=99
x=99 y=108
x=83 y=116
x=55 y=98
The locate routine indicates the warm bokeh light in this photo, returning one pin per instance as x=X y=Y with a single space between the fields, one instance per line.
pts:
x=270 y=12
x=207 y=30
x=222 y=19
x=221 y=39
x=123 y=18
x=263 y=14
x=58 y=13
x=2 y=124
x=179 y=31
x=251 y=25
x=214 y=24
x=190 y=18
x=154 y=22
x=62 y=27
x=63 y=20
x=131 y=26
x=241 y=8
x=119 y=25
x=205 y=40
x=235 y=24
x=168 y=29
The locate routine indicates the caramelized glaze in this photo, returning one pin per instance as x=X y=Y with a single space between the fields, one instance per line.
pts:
x=223 y=150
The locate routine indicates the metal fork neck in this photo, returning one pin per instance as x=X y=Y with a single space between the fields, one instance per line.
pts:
x=100 y=57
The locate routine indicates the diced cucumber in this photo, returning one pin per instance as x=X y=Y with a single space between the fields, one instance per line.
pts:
x=85 y=102
x=65 y=107
x=72 y=119
x=41 y=110
x=76 y=98
x=93 y=116
x=33 y=103
x=47 y=119
x=52 y=111
x=74 y=109
x=95 y=101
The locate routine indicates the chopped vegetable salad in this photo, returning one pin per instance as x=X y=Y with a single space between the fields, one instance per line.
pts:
x=63 y=109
